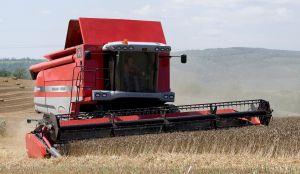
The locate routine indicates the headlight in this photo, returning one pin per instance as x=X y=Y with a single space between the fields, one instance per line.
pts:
x=104 y=95
x=156 y=49
x=131 y=48
x=97 y=94
x=171 y=96
x=166 y=96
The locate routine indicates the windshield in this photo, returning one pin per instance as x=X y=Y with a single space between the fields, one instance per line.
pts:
x=136 y=72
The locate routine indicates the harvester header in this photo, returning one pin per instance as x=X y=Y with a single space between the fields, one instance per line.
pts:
x=113 y=79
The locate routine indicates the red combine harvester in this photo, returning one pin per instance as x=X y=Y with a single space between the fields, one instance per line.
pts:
x=113 y=79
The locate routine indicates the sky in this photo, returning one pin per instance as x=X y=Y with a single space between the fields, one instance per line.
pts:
x=34 y=28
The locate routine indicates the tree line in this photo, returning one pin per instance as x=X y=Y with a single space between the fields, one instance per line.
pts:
x=12 y=67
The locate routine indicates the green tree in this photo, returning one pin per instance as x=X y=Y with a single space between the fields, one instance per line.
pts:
x=4 y=73
x=20 y=73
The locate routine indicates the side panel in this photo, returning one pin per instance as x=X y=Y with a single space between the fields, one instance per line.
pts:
x=57 y=87
x=60 y=73
x=39 y=94
x=60 y=87
x=57 y=105
x=34 y=147
x=164 y=75
x=93 y=75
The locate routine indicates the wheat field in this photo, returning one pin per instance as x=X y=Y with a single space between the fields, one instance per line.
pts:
x=272 y=149
x=255 y=149
x=2 y=127
x=280 y=139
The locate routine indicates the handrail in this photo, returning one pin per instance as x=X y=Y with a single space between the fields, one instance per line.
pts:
x=78 y=84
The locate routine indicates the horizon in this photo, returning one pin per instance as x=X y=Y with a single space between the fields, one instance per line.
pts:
x=258 y=48
x=224 y=48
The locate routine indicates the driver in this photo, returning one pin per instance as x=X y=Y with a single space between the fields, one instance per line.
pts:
x=131 y=74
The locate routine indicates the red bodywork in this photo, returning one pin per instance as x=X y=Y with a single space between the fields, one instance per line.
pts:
x=62 y=68
x=91 y=34
x=35 y=147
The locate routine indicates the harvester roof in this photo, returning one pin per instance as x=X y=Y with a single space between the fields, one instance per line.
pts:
x=97 y=31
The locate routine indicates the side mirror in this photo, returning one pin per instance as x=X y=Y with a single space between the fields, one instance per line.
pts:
x=183 y=58
x=87 y=55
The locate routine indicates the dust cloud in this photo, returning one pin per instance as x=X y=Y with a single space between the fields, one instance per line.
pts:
x=16 y=127
x=216 y=75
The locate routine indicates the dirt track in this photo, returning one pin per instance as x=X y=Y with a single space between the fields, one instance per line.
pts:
x=274 y=149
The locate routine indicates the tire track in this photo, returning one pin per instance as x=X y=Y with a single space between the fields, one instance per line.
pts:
x=16 y=101
x=14 y=108
x=16 y=94
x=13 y=89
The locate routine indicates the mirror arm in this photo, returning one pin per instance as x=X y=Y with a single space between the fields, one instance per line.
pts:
x=183 y=57
x=168 y=56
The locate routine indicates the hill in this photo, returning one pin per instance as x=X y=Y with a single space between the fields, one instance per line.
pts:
x=239 y=73
x=13 y=66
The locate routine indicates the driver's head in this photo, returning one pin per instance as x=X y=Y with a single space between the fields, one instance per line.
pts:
x=130 y=60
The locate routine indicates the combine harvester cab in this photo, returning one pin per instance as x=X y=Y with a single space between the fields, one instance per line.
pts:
x=113 y=79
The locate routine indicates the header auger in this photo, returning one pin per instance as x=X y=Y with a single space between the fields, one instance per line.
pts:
x=113 y=79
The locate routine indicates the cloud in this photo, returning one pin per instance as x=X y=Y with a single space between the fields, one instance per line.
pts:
x=223 y=23
x=205 y=3
x=261 y=11
x=285 y=2
x=146 y=9
x=1 y=20
x=45 y=12
x=229 y=2
x=219 y=13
